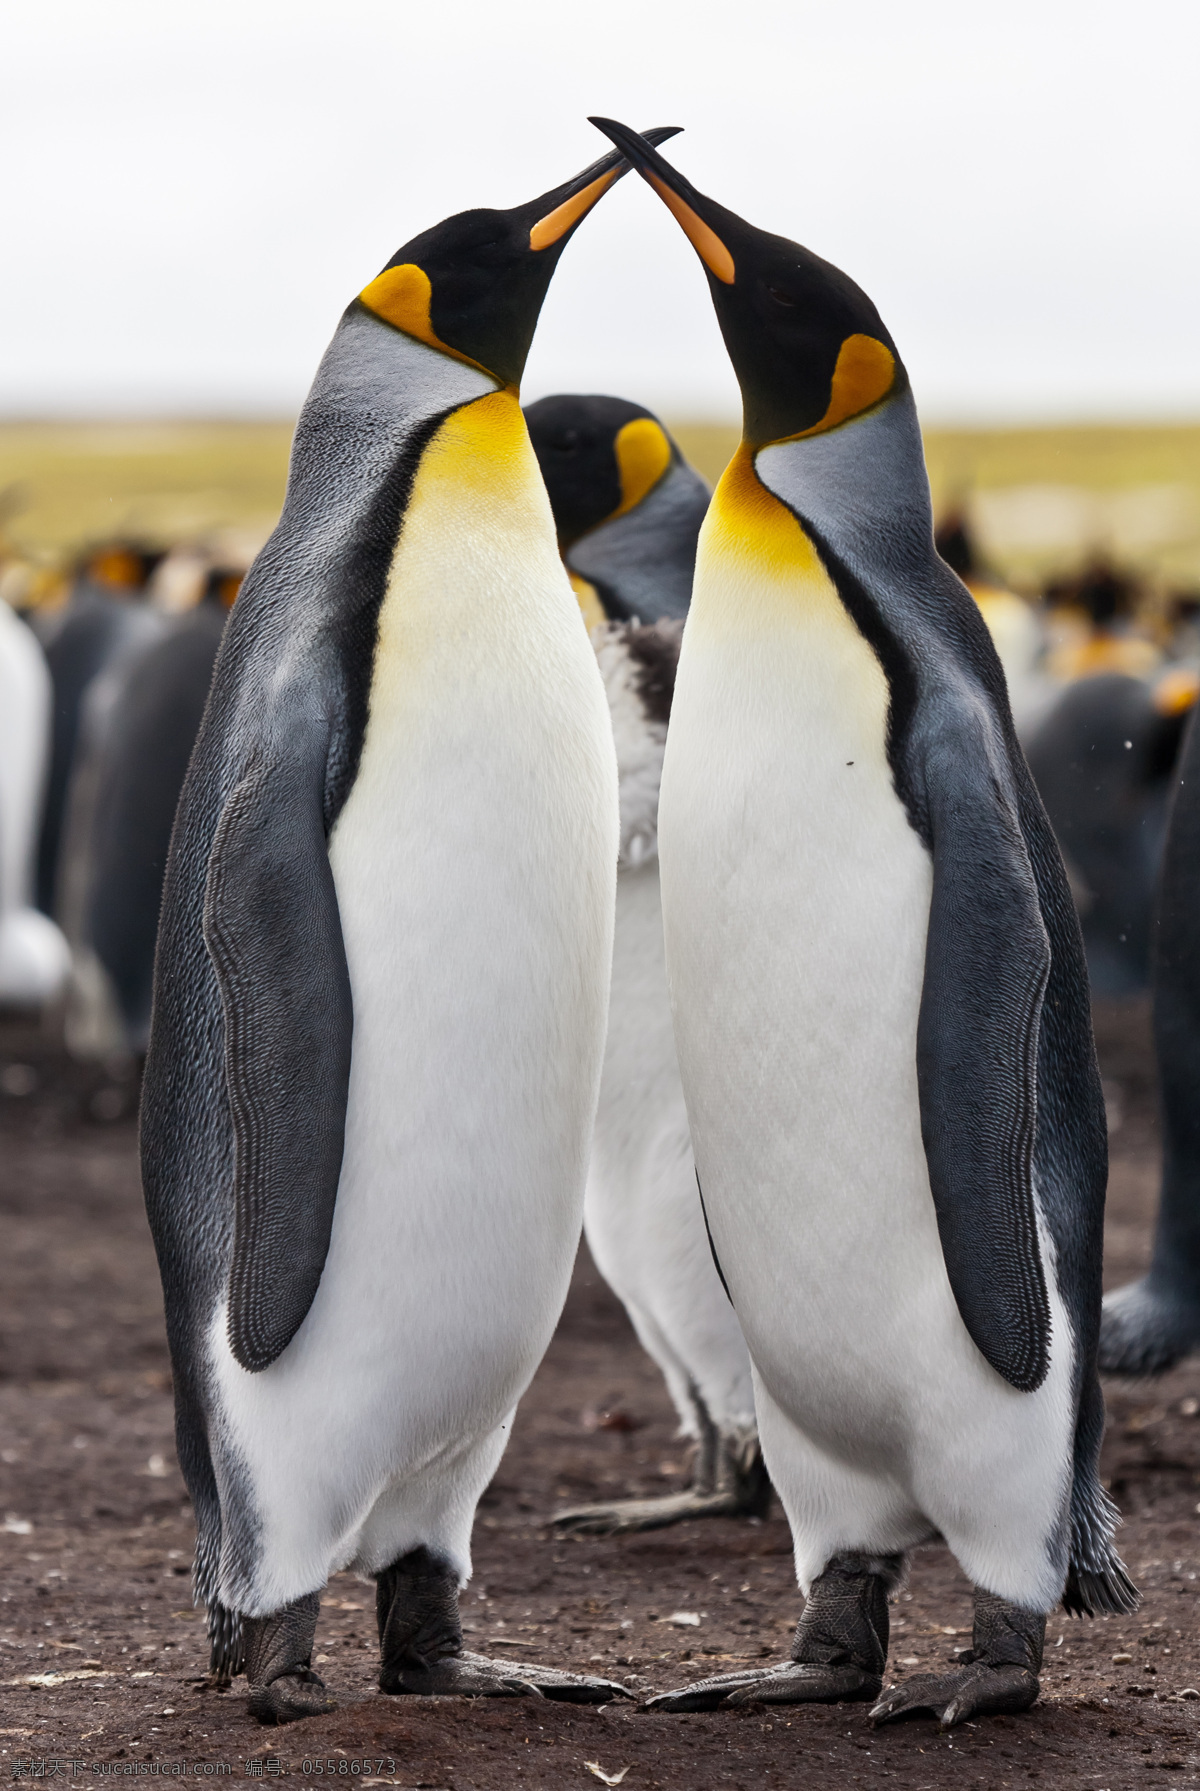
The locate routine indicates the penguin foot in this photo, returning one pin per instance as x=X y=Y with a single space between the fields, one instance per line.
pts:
x=731 y=1481
x=792 y=1682
x=838 y=1651
x=625 y=1516
x=293 y=1695
x=278 y=1654
x=421 y=1645
x=999 y=1675
x=475 y=1676
x=1146 y=1328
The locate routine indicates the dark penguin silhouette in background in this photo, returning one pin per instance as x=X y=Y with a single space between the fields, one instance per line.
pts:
x=143 y=717
x=1150 y=1324
x=381 y=983
x=1102 y=760
x=106 y=617
x=881 y=1015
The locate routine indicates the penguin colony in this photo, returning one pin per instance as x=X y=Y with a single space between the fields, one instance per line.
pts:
x=380 y=1005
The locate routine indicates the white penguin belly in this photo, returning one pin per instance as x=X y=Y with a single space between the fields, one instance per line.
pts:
x=797 y=899
x=473 y=863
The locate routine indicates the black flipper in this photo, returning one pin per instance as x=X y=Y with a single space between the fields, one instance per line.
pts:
x=273 y=932
x=986 y=967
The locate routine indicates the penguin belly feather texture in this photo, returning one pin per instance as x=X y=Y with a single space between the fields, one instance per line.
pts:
x=882 y=1017
x=381 y=983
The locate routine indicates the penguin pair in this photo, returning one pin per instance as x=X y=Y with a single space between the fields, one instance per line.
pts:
x=628 y=510
x=382 y=981
x=881 y=1016
x=1148 y=1326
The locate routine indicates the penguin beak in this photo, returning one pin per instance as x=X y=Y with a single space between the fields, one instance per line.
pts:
x=680 y=197
x=472 y=286
x=557 y=213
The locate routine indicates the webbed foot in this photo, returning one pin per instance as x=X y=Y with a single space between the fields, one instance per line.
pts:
x=792 y=1682
x=278 y=1654
x=999 y=1676
x=421 y=1647
x=1146 y=1328
x=838 y=1651
x=731 y=1481
x=626 y=1515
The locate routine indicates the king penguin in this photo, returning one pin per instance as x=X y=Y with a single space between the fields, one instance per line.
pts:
x=881 y=1015
x=1150 y=1324
x=34 y=958
x=629 y=508
x=381 y=983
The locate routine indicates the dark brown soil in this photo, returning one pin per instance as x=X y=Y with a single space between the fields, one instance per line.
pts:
x=102 y=1657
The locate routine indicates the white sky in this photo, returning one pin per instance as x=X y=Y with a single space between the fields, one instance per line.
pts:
x=193 y=191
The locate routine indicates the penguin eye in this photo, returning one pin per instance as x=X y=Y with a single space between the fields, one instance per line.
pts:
x=567 y=442
x=781 y=297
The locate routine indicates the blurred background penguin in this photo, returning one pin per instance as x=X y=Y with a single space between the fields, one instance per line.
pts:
x=628 y=510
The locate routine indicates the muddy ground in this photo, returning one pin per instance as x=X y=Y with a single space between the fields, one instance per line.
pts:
x=102 y=1657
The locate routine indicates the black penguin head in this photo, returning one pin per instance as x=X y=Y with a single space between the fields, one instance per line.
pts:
x=599 y=458
x=809 y=348
x=473 y=286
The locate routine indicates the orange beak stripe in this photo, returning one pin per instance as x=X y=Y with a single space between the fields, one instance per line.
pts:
x=706 y=242
x=556 y=223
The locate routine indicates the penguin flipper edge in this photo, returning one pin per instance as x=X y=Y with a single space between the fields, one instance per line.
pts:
x=986 y=967
x=273 y=933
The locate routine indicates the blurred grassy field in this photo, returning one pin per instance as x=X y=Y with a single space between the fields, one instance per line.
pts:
x=1041 y=498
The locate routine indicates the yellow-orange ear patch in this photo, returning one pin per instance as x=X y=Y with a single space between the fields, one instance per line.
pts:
x=643 y=456
x=402 y=297
x=556 y=223
x=865 y=373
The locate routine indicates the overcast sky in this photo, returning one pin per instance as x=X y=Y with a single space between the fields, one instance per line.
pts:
x=193 y=191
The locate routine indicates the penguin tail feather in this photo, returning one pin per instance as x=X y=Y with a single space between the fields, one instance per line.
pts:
x=227 y=1657
x=1097 y=1581
x=1089 y=1594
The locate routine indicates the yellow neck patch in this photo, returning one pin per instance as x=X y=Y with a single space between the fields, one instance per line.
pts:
x=745 y=520
x=402 y=297
x=865 y=373
x=643 y=456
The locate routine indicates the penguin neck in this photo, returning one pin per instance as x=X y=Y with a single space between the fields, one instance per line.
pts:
x=863 y=489
x=376 y=396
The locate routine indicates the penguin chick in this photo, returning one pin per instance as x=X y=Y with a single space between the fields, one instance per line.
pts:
x=624 y=499
x=881 y=1015
x=381 y=983
x=1150 y=1324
